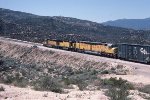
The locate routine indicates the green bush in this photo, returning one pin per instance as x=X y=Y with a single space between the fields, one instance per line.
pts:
x=8 y=79
x=16 y=80
x=118 y=93
x=77 y=81
x=21 y=82
x=82 y=85
x=118 y=89
x=120 y=66
x=66 y=81
x=81 y=77
x=1 y=62
x=105 y=72
x=94 y=72
x=2 y=88
x=145 y=89
x=118 y=83
x=47 y=84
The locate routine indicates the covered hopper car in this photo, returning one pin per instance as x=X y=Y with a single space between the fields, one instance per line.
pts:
x=134 y=52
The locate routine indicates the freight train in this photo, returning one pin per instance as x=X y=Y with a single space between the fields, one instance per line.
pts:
x=131 y=52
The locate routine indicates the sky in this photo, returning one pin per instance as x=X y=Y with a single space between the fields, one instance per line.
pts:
x=93 y=10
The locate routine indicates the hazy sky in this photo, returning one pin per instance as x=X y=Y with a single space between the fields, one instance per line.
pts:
x=93 y=10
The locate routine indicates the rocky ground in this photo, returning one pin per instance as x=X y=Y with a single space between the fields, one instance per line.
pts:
x=15 y=93
x=80 y=76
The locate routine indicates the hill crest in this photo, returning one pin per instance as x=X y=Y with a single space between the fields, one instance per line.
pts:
x=36 y=28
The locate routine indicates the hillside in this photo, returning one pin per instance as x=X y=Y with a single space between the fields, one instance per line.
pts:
x=36 y=28
x=45 y=69
x=44 y=74
x=137 y=24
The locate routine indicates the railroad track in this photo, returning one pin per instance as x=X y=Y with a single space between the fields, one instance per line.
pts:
x=21 y=41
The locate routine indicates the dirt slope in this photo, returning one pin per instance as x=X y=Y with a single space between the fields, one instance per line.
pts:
x=45 y=58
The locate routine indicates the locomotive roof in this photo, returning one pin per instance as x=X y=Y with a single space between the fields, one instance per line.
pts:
x=97 y=43
x=60 y=40
x=54 y=40
x=88 y=42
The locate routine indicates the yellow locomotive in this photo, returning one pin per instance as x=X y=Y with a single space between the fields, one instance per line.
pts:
x=51 y=43
x=104 y=49
x=99 y=48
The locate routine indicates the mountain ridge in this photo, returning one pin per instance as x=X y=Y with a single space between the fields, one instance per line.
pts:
x=137 y=24
x=30 y=27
